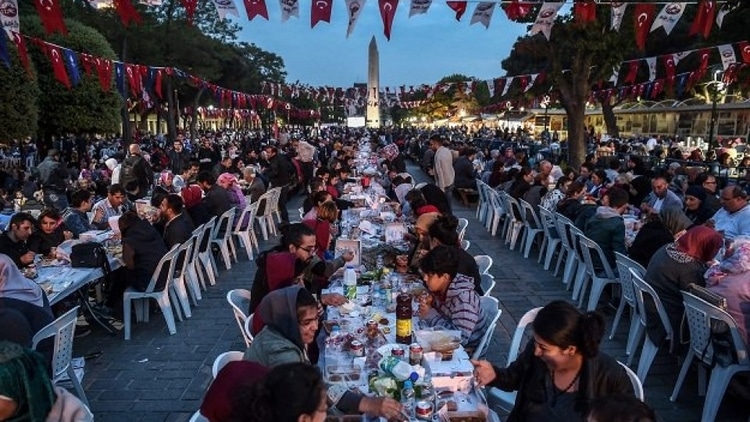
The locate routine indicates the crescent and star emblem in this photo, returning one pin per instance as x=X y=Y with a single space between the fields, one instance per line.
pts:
x=388 y=6
x=670 y=63
x=709 y=6
x=746 y=50
x=47 y=4
x=642 y=18
x=321 y=4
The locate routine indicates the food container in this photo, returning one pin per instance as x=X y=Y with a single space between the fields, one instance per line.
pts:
x=357 y=348
x=423 y=410
x=343 y=373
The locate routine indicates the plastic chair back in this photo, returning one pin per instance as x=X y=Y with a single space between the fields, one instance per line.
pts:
x=63 y=330
x=491 y=310
x=548 y=222
x=529 y=215
x=239 y=300
x=624 y=265
x=224 y=223
x=635 y=381
x=484 y=262
x=487 y=283
x=515 y=343
x=224 y=359
x=248 y=214
x=699 y=315
x=465 y=244
x=587 y=245
x=563 y=225
x=463 y=223
x=641 y=289
x=169 y=260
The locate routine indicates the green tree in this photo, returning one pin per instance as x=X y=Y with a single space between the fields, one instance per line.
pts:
x=19 y=111
x=84 y=108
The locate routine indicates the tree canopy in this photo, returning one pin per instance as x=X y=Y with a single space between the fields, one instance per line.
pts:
x=19 y=111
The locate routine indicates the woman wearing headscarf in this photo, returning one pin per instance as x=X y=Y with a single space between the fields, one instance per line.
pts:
x=663 y=228
x=672 y=269
x=731 y=279
x=24 y=308
x=696 y=208
x=236 y=198
x=27 y=394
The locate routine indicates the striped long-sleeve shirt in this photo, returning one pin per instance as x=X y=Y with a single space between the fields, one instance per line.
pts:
x=460 y=310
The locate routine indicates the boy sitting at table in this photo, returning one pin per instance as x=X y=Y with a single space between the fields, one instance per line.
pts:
x=453 y=303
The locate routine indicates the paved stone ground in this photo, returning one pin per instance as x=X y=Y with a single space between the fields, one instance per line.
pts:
x=158 y=377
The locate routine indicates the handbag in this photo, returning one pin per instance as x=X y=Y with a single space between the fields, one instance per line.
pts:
x=88 y=255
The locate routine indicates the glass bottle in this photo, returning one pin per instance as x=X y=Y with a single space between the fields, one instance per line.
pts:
x=403 y=318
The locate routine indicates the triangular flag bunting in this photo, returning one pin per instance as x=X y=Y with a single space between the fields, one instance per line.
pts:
x=51 y=16
x=668 y=17
x=387 y=12
x=419 y=7
x=483 y=13
x=457 y=6
x=546 y=18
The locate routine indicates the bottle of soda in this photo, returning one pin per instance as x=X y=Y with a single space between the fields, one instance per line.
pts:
x=404 y=315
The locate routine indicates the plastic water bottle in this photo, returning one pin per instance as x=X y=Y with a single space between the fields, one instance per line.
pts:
x=350 y=283
x=394 y=366
x=408 y=398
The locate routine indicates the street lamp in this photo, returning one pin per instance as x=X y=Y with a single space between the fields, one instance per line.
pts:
x=715 y=88
x=545 y=104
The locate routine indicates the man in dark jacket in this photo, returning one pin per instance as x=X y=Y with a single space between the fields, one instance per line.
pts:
x=208 y=155
x=217 y=198
x=53 y=177
x=178 y=227
x=607 y=228
x=179 y=157
x=464 y=170
x=136 y=171
x=279 y=174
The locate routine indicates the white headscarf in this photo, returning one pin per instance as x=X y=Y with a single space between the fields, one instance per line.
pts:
x=13 y=285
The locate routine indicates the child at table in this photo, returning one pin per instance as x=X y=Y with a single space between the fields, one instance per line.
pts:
x=453 y=303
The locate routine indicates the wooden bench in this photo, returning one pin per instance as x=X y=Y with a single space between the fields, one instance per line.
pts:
x=468 y=196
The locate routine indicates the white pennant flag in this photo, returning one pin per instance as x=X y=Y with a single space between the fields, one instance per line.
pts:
x=681 y=55
x=723 y=12
x=9 y=17
x=726 y=51
x=651 y=62
x=483 y=13
x=546 y=18
x=490 y=87
x=618 y=11
x=151 y=2
x=226 y=7
x=615 y=74
x=508 y=81
x=419 y=7
x=668 y=17
x=289 y=8
x=355 y=9
x=532 y=81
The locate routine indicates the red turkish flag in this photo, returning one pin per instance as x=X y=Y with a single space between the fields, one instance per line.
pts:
x=458 y=6
x=104 y=71
x=157 y=82
x=644 y=17
x=632 y=72
x=387 y=11
x=189 y=6
x=669 y=67
x=585 y=11
x=51 y=15
x=256 y=8
x=704 y=18
x=745 y=51
x=58 y=65
x=127 y=12
x=517 y=10
x=321 y=11
x=88 y=63
x=134 y=78
x=23 y=53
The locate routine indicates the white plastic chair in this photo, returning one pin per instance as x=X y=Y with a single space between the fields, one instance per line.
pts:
x=551 y=238
x=484 y=262
x=490 y=309
x=465 y=244
x=246 y=235
x=597 y=281
x=197 y=417
x=568 y=249
x=142 y=298
x=699 y=315
x=580 y=269
x=275 y=208
x=179 y=286
x=63 y=331
x=463 y=223
x=224 y=359
x=624 y=265
x=637 y=384
x=483 y=205
x=507 y=399
x=205 y=259
x=249 y=327
x=187 y=273
x=496 y=211
x=533 y=227
x=266 y=222
x=516 y=224
x=487 y=283
x=649 y=349
x=223 y=240
x=239 y=299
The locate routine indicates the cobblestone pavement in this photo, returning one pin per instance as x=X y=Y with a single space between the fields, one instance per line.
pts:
x=158 y=377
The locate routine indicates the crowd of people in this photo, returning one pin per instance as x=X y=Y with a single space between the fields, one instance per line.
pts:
x=687 y=218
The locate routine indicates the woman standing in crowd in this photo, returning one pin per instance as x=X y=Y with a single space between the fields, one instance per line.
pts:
x=562 y=371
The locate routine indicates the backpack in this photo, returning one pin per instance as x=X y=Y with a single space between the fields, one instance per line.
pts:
x=126 y=170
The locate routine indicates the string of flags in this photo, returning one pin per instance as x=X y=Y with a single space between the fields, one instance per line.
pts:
x=406 y=96
x=646 y=20
x=136 y=80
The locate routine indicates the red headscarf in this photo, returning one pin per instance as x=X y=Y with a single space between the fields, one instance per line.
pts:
x=191 y=195
x=701 y=243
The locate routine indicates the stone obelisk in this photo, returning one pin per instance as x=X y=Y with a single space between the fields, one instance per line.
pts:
x=373 y=85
